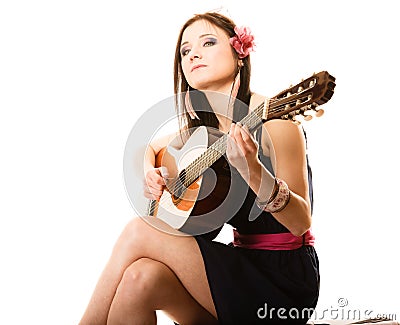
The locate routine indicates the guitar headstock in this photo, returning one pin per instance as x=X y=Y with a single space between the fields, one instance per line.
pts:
x=304 y=97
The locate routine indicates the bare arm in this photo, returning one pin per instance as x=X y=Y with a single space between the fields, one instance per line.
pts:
x=290 y=165
x=289 y=155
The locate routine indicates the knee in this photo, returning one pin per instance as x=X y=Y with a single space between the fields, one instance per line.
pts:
x=140 y=280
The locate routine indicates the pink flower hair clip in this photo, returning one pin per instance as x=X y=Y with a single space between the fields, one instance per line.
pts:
x=243 y=41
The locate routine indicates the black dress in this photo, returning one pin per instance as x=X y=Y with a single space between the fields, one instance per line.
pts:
x=252 y=286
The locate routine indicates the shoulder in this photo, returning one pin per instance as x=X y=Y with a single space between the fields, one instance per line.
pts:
x=287 y=145
x=285 y=136
x=283 y=140
x=284 y=130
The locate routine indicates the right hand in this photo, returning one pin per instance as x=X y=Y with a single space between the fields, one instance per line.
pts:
x=154 y=183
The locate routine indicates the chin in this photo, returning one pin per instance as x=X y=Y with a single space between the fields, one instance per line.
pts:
x=199 y=85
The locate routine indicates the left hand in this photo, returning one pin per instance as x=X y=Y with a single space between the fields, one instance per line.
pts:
x=242 y=149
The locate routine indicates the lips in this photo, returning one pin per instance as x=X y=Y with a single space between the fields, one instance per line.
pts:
x=197 y=66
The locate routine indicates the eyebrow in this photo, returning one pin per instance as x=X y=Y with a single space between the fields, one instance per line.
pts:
x=201 y=36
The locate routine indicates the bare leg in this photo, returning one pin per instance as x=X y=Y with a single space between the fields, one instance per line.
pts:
x=148 y=285
x=140 y=240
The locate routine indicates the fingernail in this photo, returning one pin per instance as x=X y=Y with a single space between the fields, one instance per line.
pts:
x=164 y=171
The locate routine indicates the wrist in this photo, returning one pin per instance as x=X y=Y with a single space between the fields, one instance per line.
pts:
x=279 y=198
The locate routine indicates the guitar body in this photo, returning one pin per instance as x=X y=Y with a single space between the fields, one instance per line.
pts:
x=191 y=212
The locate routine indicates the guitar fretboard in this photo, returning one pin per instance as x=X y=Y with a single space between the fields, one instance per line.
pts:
x=218 y=148
x=304 y=97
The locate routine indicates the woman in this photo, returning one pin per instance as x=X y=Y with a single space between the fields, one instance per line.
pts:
x=269 y=274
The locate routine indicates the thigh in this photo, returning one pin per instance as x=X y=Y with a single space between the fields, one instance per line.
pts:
x=181 y=254
x=162 y=290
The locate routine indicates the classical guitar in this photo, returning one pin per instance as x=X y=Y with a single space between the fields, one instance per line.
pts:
x=196 y=196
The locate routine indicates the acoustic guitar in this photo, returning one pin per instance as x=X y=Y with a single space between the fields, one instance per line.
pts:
x=198 y=196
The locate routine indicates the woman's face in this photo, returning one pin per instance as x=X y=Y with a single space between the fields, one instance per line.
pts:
x=207 y=58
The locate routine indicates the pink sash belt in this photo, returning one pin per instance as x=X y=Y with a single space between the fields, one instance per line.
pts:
x=282 y=241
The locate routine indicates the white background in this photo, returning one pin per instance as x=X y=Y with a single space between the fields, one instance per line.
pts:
x=76 y=75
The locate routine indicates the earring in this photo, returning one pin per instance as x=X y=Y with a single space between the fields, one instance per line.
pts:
x=234 y=92
x=235 y=86
x=189 y=107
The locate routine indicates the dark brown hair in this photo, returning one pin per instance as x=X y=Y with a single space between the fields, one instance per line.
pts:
x=206 y=114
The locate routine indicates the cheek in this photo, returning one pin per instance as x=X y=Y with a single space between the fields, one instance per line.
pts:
x=227 y=64
x=185 y=68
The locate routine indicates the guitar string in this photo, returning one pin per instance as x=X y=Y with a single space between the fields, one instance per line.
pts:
x=221 y=144
x=212 y=154
x=217 y=152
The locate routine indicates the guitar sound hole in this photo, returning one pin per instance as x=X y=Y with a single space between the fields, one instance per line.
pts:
x=208 y=183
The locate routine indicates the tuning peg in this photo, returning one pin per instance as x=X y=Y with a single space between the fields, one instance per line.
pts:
x=307 y=117
x=319 y=112
x=295 y=121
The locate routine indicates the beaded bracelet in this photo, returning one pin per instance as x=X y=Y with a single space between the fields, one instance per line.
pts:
x=278 y=201
x=275 y=190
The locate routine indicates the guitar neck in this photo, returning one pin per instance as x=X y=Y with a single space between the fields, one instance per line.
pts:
x=218 y=148
x=296 y=100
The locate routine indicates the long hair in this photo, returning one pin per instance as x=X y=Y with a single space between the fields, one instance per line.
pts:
x=206 y=114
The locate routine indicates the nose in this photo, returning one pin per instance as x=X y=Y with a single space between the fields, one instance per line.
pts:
x=195 y=53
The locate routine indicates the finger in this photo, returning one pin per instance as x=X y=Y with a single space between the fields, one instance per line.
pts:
x=249 y=143
x=164 y=172
x=152 y=197
x=156 y=178
x=154 y=194
x=232 y=140
x=244 y=130
x=151 y=193
x=239 y=137
x=248 y=134
x=232 y=136
x=152 y=190
x=229 y=146
x=152 y=187
x=232 y=130
x=245 y=133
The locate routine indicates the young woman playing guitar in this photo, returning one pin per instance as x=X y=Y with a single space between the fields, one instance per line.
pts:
x=269 y=273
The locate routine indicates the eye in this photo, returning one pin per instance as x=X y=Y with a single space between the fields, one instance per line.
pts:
x=210 y=42
x=185 y=51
